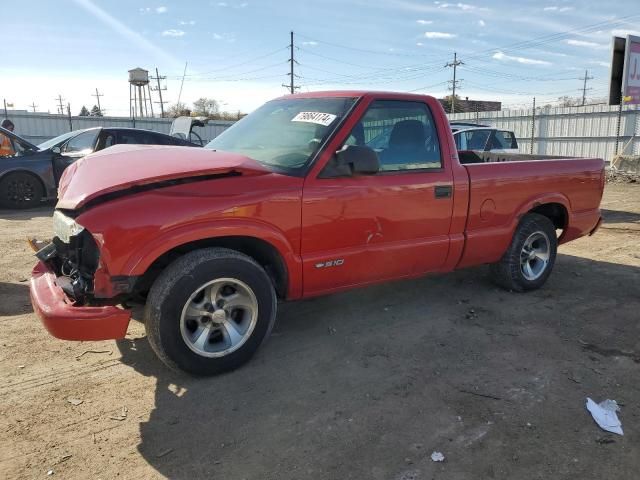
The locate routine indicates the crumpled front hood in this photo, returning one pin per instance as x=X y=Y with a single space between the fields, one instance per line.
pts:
x=124 y=166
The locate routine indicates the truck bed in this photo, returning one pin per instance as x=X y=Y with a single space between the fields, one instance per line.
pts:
x=514 y=184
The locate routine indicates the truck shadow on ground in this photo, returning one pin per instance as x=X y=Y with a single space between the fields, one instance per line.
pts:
x=619 y=216
x=367 y=383
x=14 y=299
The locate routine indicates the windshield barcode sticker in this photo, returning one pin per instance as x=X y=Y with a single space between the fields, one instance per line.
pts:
x=315 y=117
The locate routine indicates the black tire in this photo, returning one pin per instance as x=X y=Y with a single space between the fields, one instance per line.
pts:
x=509 y=272
x=20 y=190
x=175 y=287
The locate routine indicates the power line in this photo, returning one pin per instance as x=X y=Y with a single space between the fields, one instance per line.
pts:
x=454 y=83
x=584 y=86
x=229 y=67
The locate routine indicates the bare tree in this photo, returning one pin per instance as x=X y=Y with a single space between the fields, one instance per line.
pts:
x=206 y=107
x=178 y=110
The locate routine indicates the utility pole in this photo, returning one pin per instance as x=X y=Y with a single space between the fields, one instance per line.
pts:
x=533 y=125
x=69 y=116
x=584 y=87
x=33 y=106
x=454 y=82
x=98 y=95
x=618 y=121
x=291 y=74
x=184 y=74
x=60 y=105
x=159 y=89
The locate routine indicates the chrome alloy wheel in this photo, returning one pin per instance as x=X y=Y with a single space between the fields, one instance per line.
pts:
x=219 y=317
x=535 y=255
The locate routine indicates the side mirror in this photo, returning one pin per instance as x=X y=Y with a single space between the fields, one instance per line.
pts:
x=360 y=159
x=56 y=150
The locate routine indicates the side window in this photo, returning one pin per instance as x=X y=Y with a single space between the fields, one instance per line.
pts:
x=461 y=140
x=503 y=139
x=84 y=142
x=402 y=133
x=477 y=139
x=136 y=138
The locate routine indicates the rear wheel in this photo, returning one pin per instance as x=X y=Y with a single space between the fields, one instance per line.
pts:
x=209 y=311
x=20 y=190
x=530 y=258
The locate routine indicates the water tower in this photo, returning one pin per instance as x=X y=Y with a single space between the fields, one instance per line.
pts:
x=139 y=93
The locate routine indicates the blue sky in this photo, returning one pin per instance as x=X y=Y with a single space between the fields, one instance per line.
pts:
x=237 y=49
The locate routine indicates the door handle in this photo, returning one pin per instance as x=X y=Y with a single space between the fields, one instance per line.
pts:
x=442 y=191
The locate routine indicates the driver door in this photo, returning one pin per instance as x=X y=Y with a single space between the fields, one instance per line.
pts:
x=360 y=229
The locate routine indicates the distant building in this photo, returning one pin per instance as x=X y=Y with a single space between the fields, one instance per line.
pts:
x=466 y=105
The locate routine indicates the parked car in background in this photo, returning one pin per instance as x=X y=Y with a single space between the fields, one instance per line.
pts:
x=32 y=173
x=469 y=136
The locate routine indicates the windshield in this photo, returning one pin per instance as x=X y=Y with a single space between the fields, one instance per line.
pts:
x=284 y=134
x=57 y=140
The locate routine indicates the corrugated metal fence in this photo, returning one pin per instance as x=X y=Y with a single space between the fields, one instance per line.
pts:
x=38 y=127
x=590 y=131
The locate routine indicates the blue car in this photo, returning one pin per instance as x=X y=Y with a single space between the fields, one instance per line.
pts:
x=30 y=174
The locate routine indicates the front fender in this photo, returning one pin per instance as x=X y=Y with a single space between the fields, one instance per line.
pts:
x=141 y=259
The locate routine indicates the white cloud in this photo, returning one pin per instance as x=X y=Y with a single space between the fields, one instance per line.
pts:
x=465 y=7
x=190 y=22
x=310 y=43
x=419 y=44
x=145 y=9
x=439 y=35
x=161 y=9
x=217 y=36
x=523 y=60
x=482 y=23
x=584 y=43
x=233 y=5
x=601 y=64
x=121 y=29
x=172 y=32
x=554 y=8
x=424 y=22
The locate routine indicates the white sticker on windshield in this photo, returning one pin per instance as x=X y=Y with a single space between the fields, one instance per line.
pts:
x=315 y=117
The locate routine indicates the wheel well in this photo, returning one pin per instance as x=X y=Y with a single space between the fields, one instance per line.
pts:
x=556 y=212
x=27 y=172
x=261 y=251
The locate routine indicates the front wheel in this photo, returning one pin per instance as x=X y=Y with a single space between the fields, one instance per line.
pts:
x=20 y=190
x=209 y=311
x=530 y=258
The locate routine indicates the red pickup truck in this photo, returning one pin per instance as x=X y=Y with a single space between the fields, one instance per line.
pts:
x=292 y=202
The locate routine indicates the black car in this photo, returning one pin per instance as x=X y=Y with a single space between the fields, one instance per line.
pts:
x=32 y=173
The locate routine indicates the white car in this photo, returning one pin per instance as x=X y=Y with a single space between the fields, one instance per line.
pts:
x=469 y=136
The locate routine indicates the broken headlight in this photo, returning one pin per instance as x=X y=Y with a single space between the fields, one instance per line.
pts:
x=65 y=227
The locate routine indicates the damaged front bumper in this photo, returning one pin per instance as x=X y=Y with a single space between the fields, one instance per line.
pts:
x=64 y=319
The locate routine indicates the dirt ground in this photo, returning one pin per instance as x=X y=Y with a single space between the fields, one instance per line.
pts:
x=359 y=385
